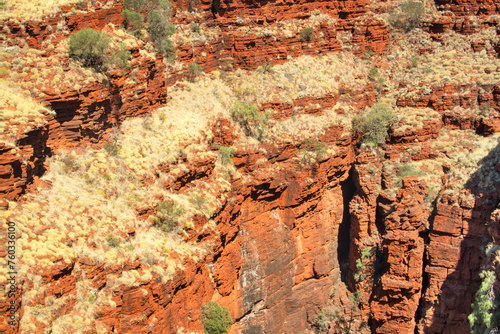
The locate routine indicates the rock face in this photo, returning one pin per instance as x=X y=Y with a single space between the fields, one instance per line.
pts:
x=18 y=167
x=36 y=32
x=274 y=271
x=87 y=114
x=396 y=295
x=454 y=262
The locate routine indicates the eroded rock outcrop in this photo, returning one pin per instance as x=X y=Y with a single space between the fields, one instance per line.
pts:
x=397 y=293
x=274 y=270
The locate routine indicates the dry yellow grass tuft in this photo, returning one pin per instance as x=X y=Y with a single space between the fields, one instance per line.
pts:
x=27 y=10
x=414 y=118
x=452 y=63
x=19 y=113
x=300 y=77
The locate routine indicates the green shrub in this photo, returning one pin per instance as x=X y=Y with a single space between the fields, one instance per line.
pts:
x=250 y=118
x=198 y=201
x=406 y=170
x=485 y=314
x=4 y=71
x=92 y=297
x=158 y=25
x=167 y=216
x=413 y=62
x=366 y=252
x=120 y=57
x=410 y=16
x=113 y=149
x=374 y=125
x=112 y=240
x=321 y=322
x=147 y=5
x=195 y=27
x=373 y=73
x=89 y=46
x=194 y=70
x=134 y=21
x=359 y=276
x=160 y=28
x=314 y=145
x=368 y=54
x=201 y=204
x=306 y=34
x=135 y=4
x=265 y=68
x=227 y=152
x=216 y=319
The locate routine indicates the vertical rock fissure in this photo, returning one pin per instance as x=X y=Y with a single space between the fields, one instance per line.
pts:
x=425 y=277
x=348 y=191
x=419 y=313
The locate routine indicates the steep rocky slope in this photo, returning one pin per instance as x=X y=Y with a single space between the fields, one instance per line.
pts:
x=300 y=227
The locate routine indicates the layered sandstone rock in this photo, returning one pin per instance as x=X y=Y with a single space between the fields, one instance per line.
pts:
x=396 y=294
x=275 y=271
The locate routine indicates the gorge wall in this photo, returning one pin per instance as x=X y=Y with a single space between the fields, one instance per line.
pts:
x=293 y=238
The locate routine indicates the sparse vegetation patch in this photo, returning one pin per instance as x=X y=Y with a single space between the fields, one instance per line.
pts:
x=226 y=153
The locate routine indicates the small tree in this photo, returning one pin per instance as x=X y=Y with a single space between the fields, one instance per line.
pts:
x=167 y=216
x=374 y=125
x=307 y=34
x=410 y=16
x=133 y=20
x=485 y=311
x=216 y=319
x=250 y=118
x=89 y=46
